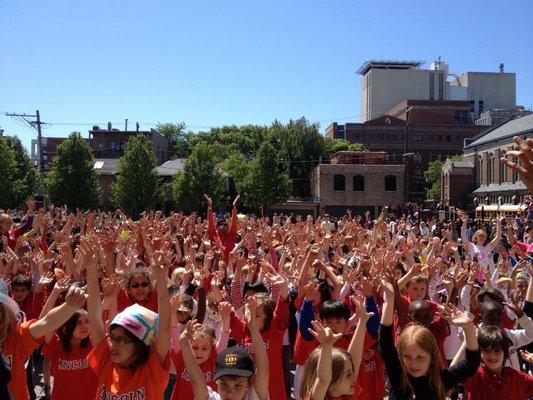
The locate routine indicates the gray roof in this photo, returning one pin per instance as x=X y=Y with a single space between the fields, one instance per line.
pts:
x=171 y=167
x=462 y=164
x=106 y=166
x=500 y=187
x=509 y=129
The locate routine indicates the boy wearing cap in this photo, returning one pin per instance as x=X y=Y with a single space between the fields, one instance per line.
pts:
x=236 y=376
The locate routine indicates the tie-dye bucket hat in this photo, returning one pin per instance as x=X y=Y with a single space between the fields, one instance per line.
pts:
x=139 y=321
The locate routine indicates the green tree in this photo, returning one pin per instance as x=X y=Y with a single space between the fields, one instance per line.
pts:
x=72 y=180
x=200 y=175
x=8 y=170
x=25 y=178
x=331 y=146
x=137 y=185
x=179 y=137
x=265 y=184
x=433 y=176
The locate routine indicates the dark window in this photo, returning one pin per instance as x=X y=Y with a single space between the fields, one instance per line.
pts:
x=394 y=137
x=457 y=116
x=448 y=138
x=387 y=137
x=431 y=86
x=371 y=137
x=380 y=137
x=472 y=106
x=431 y=138
x=390 y=183
x=481 y=105
x=359 y=183
x=439 y=138
x=122 y=144
x=457 y=138
x=339 y=183
x=441 y=86
x=357 y=137
x=111 y=144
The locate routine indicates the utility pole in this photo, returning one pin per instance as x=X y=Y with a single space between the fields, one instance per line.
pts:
x=37 y=125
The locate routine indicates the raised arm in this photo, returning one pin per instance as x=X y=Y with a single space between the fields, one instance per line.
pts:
x=358 y=339
x=162 y=340
x=494 y=242
x=261 y=357
x=94 y=302
x=199 y=386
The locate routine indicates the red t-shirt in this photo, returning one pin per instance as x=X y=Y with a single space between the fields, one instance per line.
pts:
x=273 y=339
x=73 y=379
x=33 y=304
x=123 y=301
x=147 y=382
x=182 y=388
x=371 y=378
x=510 y=385
x=17 y=348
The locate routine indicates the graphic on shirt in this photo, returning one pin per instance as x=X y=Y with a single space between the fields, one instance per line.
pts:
x=139 y=394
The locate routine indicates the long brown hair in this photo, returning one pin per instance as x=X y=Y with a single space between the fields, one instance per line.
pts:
x=338 y=359
x=423 y=337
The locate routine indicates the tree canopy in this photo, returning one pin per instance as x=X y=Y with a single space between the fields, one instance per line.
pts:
x=72 y=180
x=136 y=187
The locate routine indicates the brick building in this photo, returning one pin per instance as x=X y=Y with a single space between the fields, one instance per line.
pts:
x=457 y=175
x=111 y=143
x=50 y=145
x=435 y=130
x=359 y=181
x=493 y=182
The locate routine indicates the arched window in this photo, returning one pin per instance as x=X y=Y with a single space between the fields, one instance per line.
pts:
x=503 y=169
x=358 y=183
x=390 y=183
x=339 y=182
x=479 y=170
x=490 y=168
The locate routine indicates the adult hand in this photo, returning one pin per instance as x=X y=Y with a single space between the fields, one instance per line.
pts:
x=30 y=203
x=525 y=155
x=75 y=298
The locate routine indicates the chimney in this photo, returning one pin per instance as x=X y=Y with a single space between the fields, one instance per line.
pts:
x=501 y=67
x=109 y=126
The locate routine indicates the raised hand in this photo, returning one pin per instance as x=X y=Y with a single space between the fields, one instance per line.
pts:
x=188 y=332
x=250 y=311
x=209 y=201
x=30 y=203
x=225 y=308
x=323 y=335
x=455 y=316
x=525 y=155
x=236 y=201
x=110 y=287
x=526 y=355
x=62 y=284
x=75 y=297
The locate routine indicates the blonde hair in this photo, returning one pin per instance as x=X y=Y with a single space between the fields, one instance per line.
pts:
x=479 y=232
x=205 y=332
x=422 y=337
x=338 y=359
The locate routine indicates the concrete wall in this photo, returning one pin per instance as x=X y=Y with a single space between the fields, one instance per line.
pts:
x=382 y=89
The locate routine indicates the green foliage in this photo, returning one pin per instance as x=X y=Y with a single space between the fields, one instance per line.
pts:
x=433 y=175
x=179 y=138
x=8 y=170
x=200 y=175
x=72 y=180
x=236 y=166
x=331 y=146
x=137 y=186
x=265 y=184
x=24 y=179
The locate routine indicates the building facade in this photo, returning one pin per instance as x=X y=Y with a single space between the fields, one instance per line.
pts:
x=500 y=116
x=385 y=83
x=360 y=181
x=50 y=145
x=111 y=143
x=493 y=183
x=435 y=130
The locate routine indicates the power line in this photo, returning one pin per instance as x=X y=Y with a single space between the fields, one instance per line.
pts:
x=36 y=125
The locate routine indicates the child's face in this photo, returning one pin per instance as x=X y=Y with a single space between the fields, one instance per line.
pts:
x=260 y=317
x=417 y=290
x=182 y=316
x=121 y=348
x=416 y=360
x=19 y=293
x=83 y=329
x=493 y=359
x=139 y=288
x=232 y=387
x=336 y=324
x=201 y=348
x=346 y=385
x=368 y=354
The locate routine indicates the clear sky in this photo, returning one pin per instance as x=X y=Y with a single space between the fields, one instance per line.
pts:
x=214 y=62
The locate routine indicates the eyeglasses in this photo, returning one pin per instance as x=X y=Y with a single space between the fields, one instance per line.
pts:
x=121 y=341
x=136 y=285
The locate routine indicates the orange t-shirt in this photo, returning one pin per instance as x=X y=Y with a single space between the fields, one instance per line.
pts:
x=147 y=382
x=73 y=379
x=17 y=348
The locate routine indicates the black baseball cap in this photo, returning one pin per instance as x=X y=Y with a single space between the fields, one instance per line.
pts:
x=234 y=361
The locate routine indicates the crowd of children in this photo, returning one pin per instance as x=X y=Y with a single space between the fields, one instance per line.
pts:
x=96 y=305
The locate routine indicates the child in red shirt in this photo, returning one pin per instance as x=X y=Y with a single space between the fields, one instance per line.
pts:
x=205 y=350
x=67 y=352
x=494 y=381
x=272 y=324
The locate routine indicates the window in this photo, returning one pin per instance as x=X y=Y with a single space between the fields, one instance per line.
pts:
x=358 y=183
x=457 y=116
x=394 y=137
x=490 y=168
x=387 y=137
x=432 y=138
x=439 y=138
x=472 y=106
x=390 y=183
x=448 y=138
x=111 y=144
x=481 y=105
x=339 y=183
x=371 y=137
x=479 y=170
x=503 y=169
x=431 y=86
x=441 y=86
x=380 y=137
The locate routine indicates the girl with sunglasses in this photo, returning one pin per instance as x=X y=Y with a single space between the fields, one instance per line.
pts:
x=138 y=290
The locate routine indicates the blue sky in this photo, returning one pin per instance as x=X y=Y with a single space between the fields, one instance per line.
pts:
x=210 y=63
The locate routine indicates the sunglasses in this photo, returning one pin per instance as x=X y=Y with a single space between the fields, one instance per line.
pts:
x=136 y=285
